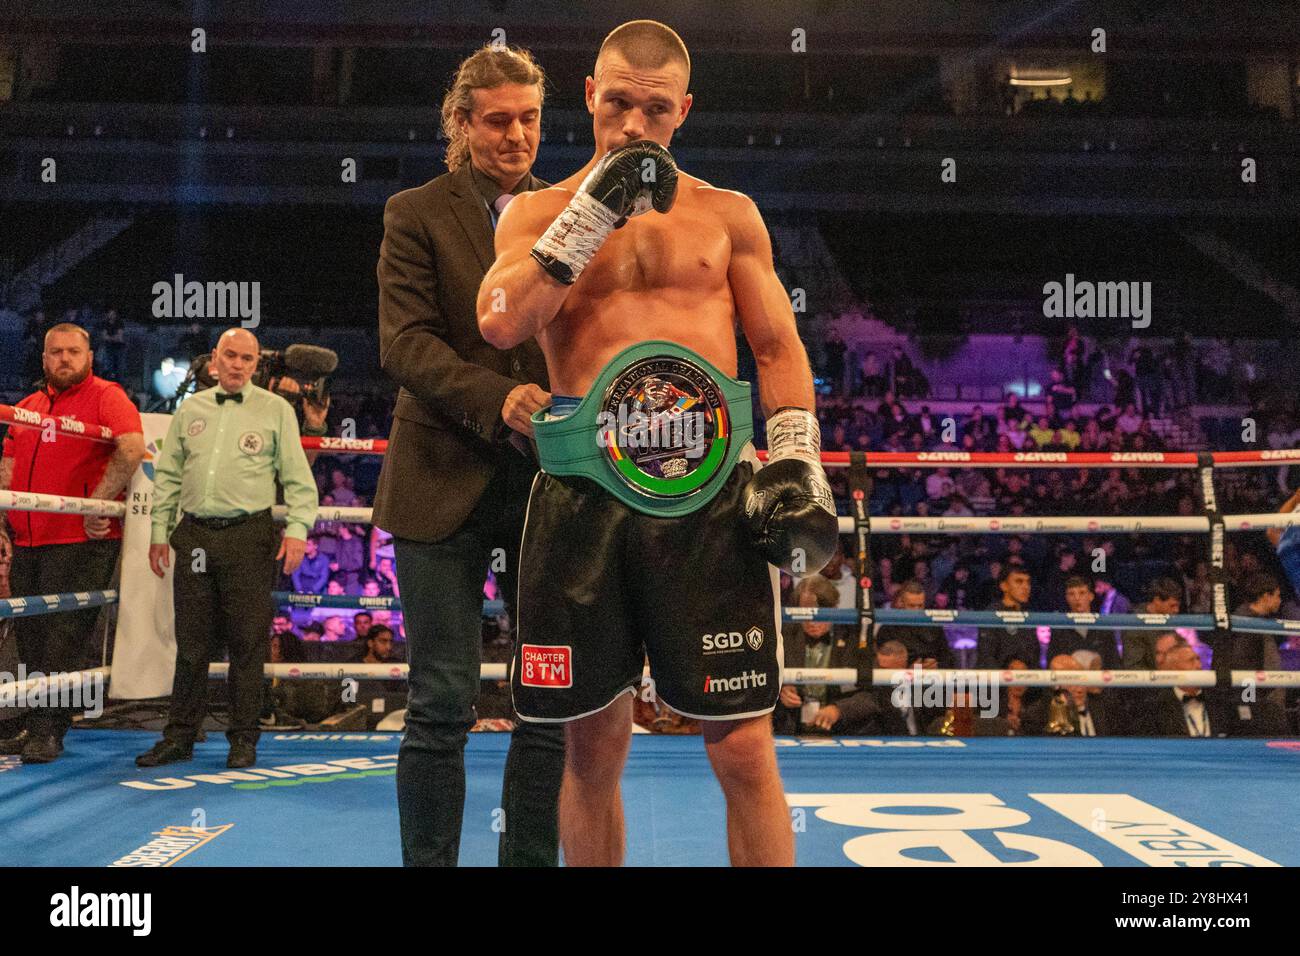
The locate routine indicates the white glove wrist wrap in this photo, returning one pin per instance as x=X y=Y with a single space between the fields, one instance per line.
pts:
x=578 y=232
x=794 y=433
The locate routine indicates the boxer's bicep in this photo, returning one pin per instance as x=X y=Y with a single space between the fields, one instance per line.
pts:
x=764 y=312
x=762 y=305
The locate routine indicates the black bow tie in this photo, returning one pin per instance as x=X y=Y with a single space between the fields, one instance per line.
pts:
x=1188 y=698
x=223 y=397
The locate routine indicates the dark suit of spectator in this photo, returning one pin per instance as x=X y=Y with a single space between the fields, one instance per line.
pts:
x=855 y=705
x=996 y=645
x=1105 y=723
x=1265 y=716
x=453 y=488
x=921 y=642
x=1100 y=642
x=1166 y=715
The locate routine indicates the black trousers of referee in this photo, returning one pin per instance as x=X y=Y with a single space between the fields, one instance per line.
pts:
x=50 y=643
x=221 y=588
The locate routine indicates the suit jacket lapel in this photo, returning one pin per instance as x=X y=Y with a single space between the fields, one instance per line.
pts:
x=467 y=206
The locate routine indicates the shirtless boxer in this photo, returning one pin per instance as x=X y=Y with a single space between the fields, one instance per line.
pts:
x=633 y=276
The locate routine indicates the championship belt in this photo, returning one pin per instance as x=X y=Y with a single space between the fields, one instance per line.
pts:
x=660 y=430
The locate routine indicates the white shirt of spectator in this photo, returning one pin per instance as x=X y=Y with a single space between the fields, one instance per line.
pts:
x=1198 y=720
x=1086 y=727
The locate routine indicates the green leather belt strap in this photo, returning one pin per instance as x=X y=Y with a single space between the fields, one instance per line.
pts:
x=660 y=429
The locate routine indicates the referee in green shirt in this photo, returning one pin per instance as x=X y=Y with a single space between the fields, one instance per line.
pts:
x=217 y=474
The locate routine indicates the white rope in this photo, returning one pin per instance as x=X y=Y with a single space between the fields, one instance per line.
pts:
x=1051 y=524
x=1028 y=524
x=57 y=504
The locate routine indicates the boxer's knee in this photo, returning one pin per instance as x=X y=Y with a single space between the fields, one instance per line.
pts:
x=597 y=745
x=741 y=752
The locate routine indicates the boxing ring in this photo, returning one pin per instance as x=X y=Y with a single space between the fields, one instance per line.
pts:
x=328 y=798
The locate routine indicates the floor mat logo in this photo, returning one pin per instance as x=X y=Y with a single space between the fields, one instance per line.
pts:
x=285 y=775
x=170 y=844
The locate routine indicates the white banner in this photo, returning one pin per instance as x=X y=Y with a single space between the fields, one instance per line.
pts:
x=144 y=657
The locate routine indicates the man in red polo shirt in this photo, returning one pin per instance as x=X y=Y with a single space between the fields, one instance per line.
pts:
x=56 y=553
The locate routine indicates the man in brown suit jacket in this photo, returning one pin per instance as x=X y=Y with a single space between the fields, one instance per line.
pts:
x=456 y=478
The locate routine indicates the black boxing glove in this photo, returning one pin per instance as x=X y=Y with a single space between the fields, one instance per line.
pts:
x=788 y=505
x=627 y=182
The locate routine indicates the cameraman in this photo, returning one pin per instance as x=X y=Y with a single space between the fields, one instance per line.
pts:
x=314 y=408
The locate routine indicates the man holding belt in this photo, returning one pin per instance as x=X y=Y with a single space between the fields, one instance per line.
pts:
x=218 y=467
x=55 y=553
x=455 y=480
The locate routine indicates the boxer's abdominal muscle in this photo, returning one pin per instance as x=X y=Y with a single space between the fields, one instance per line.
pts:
x=658 y=277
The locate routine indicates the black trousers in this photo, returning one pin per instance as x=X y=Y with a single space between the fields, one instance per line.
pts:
x=442 y=605
x=59 y=641
x=221 y=588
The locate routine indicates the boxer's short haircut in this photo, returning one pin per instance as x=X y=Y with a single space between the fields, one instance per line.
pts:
x=486 y=68
x=68 y=327
x=647 y=45
x=1077 y=581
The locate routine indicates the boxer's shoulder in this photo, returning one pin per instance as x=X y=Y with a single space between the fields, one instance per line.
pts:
x=727 y=204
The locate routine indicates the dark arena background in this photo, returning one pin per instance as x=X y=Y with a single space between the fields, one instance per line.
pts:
x=1044 y=258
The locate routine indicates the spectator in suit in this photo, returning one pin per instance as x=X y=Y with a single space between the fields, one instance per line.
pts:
x=1089 y=715
x=1078 y=600
x=1109 y=598
x=819 y=707
x=925 y=645
x=1264 y=715
x=998 y=644
x=1183 y=711
x=1164 y=596
x=1016 y=700
x=455 y=481
x=892 y=710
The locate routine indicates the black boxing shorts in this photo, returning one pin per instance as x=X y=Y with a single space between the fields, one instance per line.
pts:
x=602 y=587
